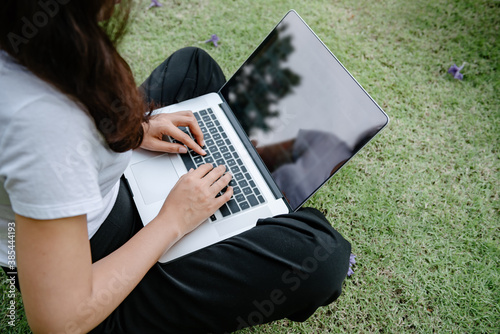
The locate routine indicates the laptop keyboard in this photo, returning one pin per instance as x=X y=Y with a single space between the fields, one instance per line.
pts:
x=220 y=151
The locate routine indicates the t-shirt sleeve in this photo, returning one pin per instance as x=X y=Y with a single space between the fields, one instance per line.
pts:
x=47 y=160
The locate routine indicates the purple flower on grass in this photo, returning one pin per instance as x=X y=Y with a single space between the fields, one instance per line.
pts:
x=214 y=39
x=352 y=261
x=455 y=71
x=155 y=3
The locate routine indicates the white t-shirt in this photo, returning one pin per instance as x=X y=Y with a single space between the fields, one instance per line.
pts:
x=53 y=161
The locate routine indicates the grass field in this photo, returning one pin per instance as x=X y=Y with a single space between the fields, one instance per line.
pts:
x=420 y=204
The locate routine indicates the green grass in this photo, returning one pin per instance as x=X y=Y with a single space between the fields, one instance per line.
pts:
x=420 y=204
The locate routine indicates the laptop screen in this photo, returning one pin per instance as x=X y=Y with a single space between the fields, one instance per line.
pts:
x=302 y=110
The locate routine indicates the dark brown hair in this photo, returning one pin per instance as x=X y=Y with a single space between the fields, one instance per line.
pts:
x=71 y=44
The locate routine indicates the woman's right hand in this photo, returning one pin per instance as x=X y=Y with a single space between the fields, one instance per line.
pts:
x=193 y=198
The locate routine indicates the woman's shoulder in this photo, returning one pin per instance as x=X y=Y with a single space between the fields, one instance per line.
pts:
x=32 y=105
x=17 y=83
x=20 y=88
x=50 y=150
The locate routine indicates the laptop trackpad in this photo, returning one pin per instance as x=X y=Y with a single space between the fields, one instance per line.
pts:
x=155 y=178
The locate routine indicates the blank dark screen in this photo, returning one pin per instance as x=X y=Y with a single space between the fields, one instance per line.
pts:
x=302 y=110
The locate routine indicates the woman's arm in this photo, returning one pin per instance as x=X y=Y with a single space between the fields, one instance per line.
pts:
x=64 y=292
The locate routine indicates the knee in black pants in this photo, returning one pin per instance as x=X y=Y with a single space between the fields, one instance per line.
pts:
x=318 y=260
x=188 y=73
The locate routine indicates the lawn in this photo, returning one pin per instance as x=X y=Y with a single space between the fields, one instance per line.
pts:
x=420 y=204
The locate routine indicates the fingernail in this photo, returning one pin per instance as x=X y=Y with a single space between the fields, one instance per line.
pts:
x=183 y=149
x=203 y=152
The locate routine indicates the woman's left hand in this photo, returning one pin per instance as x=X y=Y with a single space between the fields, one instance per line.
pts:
x=167 y=125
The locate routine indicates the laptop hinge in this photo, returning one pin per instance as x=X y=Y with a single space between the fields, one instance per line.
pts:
x=252 y=151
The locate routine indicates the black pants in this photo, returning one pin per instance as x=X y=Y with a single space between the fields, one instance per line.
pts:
x=287 y=266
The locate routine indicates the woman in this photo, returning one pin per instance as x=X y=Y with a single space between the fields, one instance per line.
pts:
x=70 y=114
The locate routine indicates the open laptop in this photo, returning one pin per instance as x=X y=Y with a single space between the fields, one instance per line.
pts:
x=283 y=124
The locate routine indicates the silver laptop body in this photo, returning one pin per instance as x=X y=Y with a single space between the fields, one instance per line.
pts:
x=292 y=114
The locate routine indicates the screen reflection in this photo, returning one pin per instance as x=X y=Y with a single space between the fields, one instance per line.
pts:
x=301 y=109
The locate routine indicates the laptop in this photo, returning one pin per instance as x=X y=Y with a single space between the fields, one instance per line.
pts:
x=286 y=121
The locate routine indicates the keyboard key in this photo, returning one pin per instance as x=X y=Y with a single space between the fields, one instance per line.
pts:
x=197 y=116
x=213 y=218
x=219 y=142
x=217 y=136
x=238 y=176
x=209 y=160
x=224 y=149
x=232 y=149
x=206 y=118
x=231 y=163
x=233 y=206
x=252 y=200
x=261 y=199
x=209 y=124
x=203 y=112
x=188 y=162
x=210 y=111
x=243 y=169
x=256 y=191
x=209 y=142
x=220 y=162
x=235 y=169
x=224 y=210
x=217 y=155
x=244 y=205
x=252 y=184
x=247 y=191
x=239 y=198
x=247 y=176
x=236 y=190
x=243 y=183
x=198 y=160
